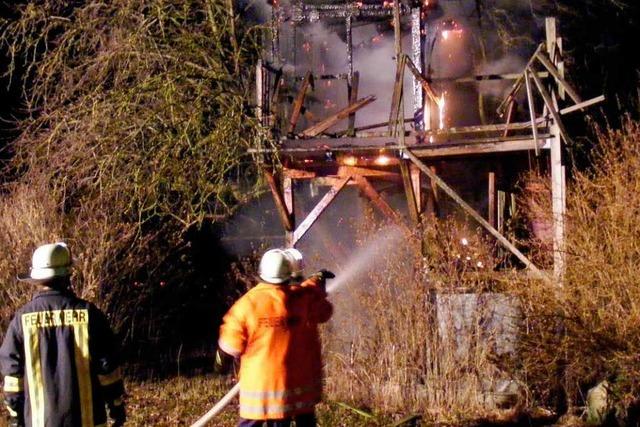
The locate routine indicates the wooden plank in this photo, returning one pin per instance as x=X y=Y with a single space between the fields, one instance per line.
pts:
x=335 y=118
x=562 y=83
x=582 y=105
x=299 y=102
x=491 y=202
x=353 y=97
x=471 y=212
x=532 y=110
x=377 y=200
x=474 y=149
x=279 y=201
x=412 y=205
x=318 y=209
x=554 y=113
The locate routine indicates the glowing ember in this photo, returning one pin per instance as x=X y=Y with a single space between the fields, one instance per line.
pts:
x=450 y=28
x=328 y=104
x=306 y=46
x=464 y=241
x=382 y=160
x=349 y=161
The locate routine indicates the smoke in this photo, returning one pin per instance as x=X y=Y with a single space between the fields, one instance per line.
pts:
x=367 y=258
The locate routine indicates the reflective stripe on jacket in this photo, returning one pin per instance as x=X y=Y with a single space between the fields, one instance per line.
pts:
x=59 y=363
x=273 y=328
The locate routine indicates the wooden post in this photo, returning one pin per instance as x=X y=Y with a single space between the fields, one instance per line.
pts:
x=412 y=204
x=432 y=196
x=554 y=49
x=353 y=97
x=288 y=197
x=532 y=110
x=471 y=212
x=548 y=102
x=491 y=205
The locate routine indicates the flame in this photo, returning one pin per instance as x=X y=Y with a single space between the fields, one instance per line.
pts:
x=445 y=34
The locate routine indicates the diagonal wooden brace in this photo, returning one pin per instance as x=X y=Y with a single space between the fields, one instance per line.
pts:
x=475 y=215
x=378 y=201
x=317 y=210
x=335 y=118
x=549 y=104
x=279 y=200
x=544 y=60
x=298 y=103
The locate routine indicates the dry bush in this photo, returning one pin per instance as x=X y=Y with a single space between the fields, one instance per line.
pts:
x=589 y=329
x=395 y=353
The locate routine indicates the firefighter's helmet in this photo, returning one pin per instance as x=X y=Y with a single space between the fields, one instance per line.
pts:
x=296 y=261
x=275 y=266
x=48 y=262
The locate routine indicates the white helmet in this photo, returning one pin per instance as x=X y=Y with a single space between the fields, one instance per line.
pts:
x=275 y=266
x=296 y=261
x=49 y=261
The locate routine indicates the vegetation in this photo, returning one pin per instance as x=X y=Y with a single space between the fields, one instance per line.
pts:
x=136 y=124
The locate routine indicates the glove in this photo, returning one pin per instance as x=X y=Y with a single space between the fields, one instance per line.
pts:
x=325 y=274
x=118 y=414
x=322 y=276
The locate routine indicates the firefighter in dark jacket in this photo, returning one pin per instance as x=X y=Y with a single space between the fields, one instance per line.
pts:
x=59 y=356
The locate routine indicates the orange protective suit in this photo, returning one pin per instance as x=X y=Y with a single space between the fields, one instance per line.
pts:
x=274 y=331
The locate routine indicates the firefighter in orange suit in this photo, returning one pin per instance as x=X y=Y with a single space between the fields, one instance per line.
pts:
x=272 y=329
x=59 y=357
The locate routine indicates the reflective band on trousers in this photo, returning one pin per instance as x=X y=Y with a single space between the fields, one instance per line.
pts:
x=279 y=394
x=13 y=384
x=259 y=411
x=111 y=378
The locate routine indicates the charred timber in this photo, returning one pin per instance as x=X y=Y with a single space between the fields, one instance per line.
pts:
x=302 y=13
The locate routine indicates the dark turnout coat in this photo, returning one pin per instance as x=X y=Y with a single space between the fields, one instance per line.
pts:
x=59 y=363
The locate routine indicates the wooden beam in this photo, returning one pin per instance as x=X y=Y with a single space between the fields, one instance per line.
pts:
x=279 y=201
x=353 y=97
x=357 y=170
x=416 y=182
x=377 y=200
x=554 y=113
x=325 y=124
x=532 y=110
x=317 y=210
x=299 y=102
x=562 y=83
x=432 y=195
x=412 y=205
x=471 y=212
x=456 y=148
x=298 y=173
x=422 y=79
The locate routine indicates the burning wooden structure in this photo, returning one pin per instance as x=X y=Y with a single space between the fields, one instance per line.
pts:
x=403 y=149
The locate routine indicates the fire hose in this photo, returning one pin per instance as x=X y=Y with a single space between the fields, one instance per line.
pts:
x=218 y=407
